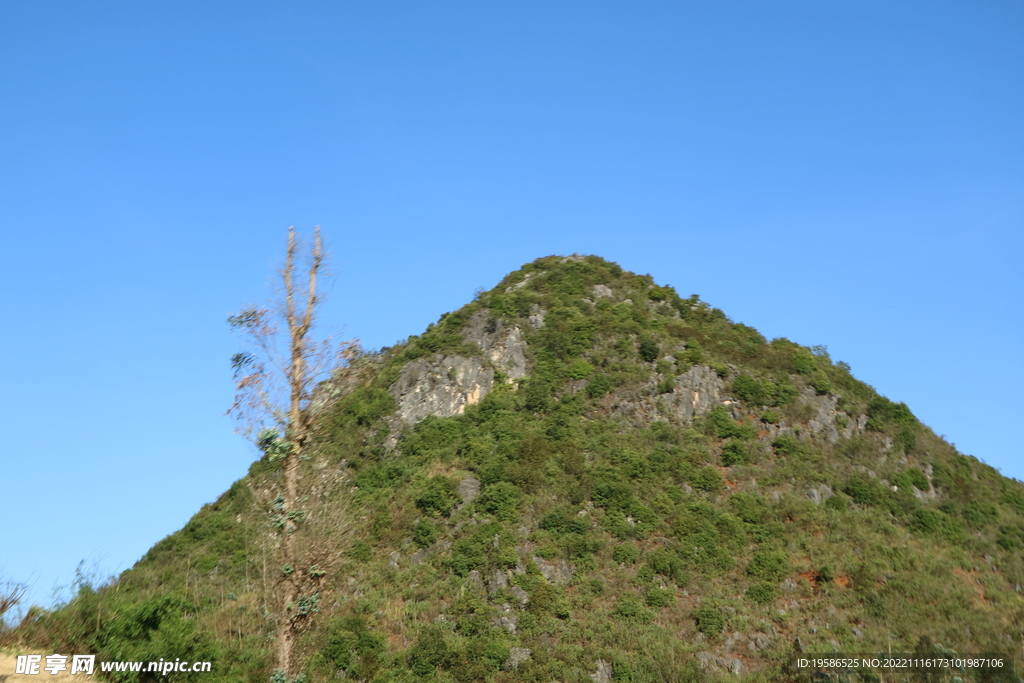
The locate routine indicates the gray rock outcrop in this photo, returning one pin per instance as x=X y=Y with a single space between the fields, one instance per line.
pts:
x=714 y=662
x=445 y=384
x=517 y=656
x=442 y=387
x=604 y=672
x=698 y=391
x=469 y=489
x=501 y=343
x=558 y=571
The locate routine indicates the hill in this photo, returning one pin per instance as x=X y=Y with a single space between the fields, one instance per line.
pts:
x=582 y=476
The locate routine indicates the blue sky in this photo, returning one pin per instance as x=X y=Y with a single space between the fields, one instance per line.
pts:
x=846 y=174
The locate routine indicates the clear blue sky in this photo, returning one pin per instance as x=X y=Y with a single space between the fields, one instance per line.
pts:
x=839 y=173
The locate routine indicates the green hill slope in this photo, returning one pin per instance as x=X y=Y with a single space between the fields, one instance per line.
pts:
x=581 y=476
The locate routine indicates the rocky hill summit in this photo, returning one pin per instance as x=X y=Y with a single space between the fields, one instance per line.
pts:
x=581 y=476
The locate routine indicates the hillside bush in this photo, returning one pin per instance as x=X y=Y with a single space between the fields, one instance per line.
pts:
x=708 y=618
x=438 y=496
x=627 y=553
x=630 y=608
x=883 y=413
x=707 y=479
x=720 y=424
x=500 y=499
x=424 y=534
x=598 y=385
x=749 y=507
x=431 y=651
x=659 y=597
x=911 y=477
x=762 y=592
x=734 y=453
x=648 y=349
x=934 y=522
x=769 y=565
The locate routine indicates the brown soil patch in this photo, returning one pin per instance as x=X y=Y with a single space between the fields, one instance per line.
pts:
x=810 y=577
x=843 y=581
x=971 y=578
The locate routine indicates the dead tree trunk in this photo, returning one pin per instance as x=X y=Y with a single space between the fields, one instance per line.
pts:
x=277 y=387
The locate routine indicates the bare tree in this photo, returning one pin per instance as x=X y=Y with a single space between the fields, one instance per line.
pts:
x=11 y=594
x=274 y=406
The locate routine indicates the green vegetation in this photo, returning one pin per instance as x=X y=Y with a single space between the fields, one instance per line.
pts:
x=618 y=518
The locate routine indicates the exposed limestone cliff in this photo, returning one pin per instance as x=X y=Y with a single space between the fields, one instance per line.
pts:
x=441 y=386
x=445 y=385
x=698 y=391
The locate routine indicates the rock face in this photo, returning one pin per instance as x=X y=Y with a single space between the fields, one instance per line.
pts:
x=819 y=494
x=502 y=344
x=822 y=421
x=517 y=656
x=505 y=618
x=698 y=391
x=714 y=663
x=443 y=387
x=469 y=489
x=604 y=672
x=558 y=571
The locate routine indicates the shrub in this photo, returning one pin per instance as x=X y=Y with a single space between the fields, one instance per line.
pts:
x=838 y=502
x=579 y=369
x=380 y=476
x=883 y=413
x=546 y=598
x=911 y=477
x=762 y=592
x=627 y=553
x=561 y=522
x=821 y=383
x=598 y=385
x=768 y=565
x=770 y=416
x=1010 y=537
x=660 y=597
x=500 y=499
x=424 y=535
x=749 y=507
x=693 y=354
x=631 y=608
x=734 y=453
x=936 y=523
x=648 y=349
x=905 y=440
x=350 y=647
x=718 y=423
x=1013 y=499
x=438 y=497
x=668 y=565
x=708 y=618
x=753 y=391
x=863 y=491
x=431 y=651
x=708 y=479
x=803 y=362
x=787 y=446
x=365 y=405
